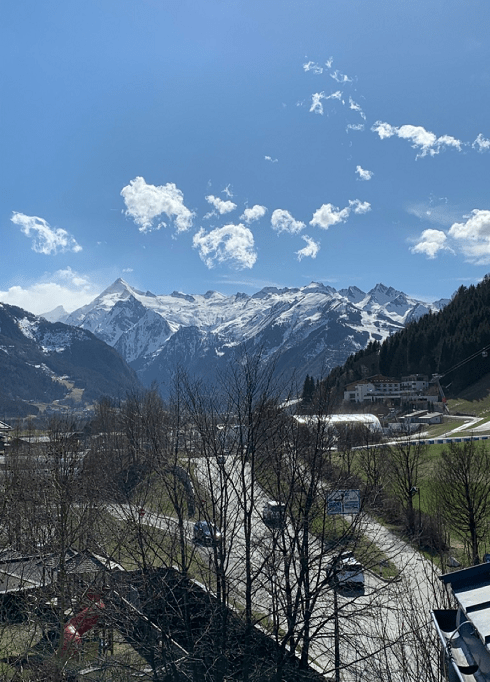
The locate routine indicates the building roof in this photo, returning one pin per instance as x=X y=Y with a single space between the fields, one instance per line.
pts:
x=19 y=572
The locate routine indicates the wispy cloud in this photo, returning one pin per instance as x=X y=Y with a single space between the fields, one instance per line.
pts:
x=354 y=126
x=283 y=221
x=482 y=144
x=146 y=203
x=313 y=67
x=45 y=239
x=256 y=212
x=227 y=191
x=328 y=214
x=231 y=244
x=63 y=287
x=221 y=206
x=421 y=139
x=356 y=107
x=310 y=250
x=340 y=77
x=363 y=173
x=435 y=210
x=316 y=100
x=270 y=159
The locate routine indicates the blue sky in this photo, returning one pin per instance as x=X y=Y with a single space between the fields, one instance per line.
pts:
x=236 y=144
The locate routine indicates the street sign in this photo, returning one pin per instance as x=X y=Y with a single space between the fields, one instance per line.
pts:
x=344 y=501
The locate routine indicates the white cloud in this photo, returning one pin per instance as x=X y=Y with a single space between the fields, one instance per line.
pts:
x=317 y=97
x=482 y=144
x=316 y=103
x=254 y=213
x=233 y=244
x=431 y=242
x=470 y=238
x=356 y=107
x=328 y=214
x=269 y=158
x=221 y=206
x=384 y=130
x=329 y=63
x=359 y=207
x=64 y=287
x=227 y=191
x=363 y=173
x=422 y=139
x=449 y=141
x=283 y=221
x=355 y=126
x=312 y=66
x=473 y=236
x=145 y=203
x=310 y=250
x=340 y=77
x=46 y=239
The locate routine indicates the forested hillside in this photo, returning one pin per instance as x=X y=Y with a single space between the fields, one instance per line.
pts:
x=453 y=343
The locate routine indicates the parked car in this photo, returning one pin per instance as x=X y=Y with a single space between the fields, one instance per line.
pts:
x=206 y=533
x=273 y=513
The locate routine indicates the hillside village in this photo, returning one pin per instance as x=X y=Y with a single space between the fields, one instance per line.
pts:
x=135 y=539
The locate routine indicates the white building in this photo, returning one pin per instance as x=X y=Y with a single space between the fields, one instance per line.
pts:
x=379 y=388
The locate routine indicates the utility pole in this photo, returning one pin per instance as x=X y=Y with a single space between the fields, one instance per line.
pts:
x=336 y=632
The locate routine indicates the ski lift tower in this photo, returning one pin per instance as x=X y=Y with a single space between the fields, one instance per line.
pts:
x=436 y=380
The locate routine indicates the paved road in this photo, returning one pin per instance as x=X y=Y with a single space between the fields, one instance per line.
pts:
x=384 y=613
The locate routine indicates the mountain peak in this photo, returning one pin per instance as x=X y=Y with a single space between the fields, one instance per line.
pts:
x=118 y=287
x=353 y=293
x=58 y=314
x=319 y=288
x=185 y=297
x=382 y=294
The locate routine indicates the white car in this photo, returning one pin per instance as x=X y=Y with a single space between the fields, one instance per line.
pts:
x=347 y=572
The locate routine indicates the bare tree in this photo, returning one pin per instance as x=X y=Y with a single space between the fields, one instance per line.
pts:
x=463 y=493
x=407 y=460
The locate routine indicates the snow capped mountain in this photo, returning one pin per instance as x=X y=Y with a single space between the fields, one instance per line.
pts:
x=308 y=329
x=41 y=361
x=58 y=314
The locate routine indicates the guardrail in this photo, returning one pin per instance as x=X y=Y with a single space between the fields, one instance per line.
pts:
x=453 y=439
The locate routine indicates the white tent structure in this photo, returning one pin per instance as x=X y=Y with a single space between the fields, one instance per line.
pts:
x=370 y=421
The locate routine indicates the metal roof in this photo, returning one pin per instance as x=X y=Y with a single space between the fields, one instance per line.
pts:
x=465 y=632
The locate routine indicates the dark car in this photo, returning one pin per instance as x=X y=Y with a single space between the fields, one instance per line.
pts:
x=274 y=514
x=206 y=533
